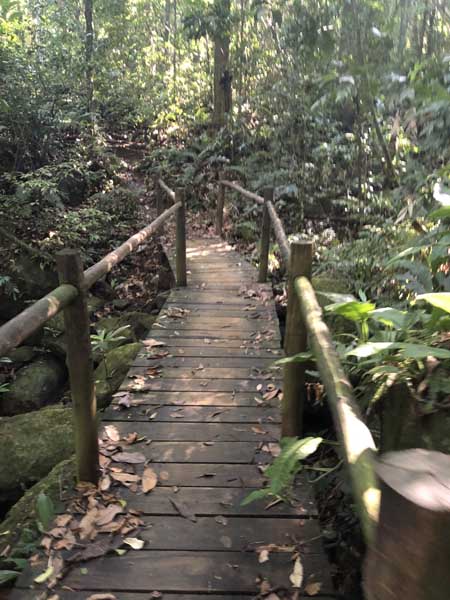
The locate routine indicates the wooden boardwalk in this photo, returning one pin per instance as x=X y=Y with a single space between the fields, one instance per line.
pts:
x=200 y=402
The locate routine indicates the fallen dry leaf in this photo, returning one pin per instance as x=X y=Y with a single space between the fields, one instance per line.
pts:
x=102 y=597
x=183 y=510
x=296 y=577
x=149 y=480
x=263 y=556
x=112 y=432
x=313 y=588
x=108 y=514
x=125 y=478
x=135 y=543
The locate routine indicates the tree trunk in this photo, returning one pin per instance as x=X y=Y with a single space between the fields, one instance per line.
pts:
x=89 y=53
x=222 y=76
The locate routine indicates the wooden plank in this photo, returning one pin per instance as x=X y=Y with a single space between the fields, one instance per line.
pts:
x=203 y=398
x=212 y=572
x=200 y=349
x=195 y=385
x=195 y=414
x=218 y=323
x=204 y=501
x=228 y=362
x=64 y=594
x=199 y=452
x=201 y=432
x=180 y=372
x=270 y=338
x=233 y=534
x=209 y=474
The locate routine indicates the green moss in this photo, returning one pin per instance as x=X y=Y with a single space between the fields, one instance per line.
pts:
x=31 y=445
x=112 y=370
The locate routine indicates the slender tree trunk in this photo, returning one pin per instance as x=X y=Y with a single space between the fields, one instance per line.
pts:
x=89 y=54
x=174 y=42
x=222 y=76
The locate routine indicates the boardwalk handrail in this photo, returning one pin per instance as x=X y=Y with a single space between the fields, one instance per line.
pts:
x=357 y=443
x=71 y=296
x=267 y=203
x=304 y=320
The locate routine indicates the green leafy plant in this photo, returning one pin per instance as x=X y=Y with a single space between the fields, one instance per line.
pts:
x=285 y=467
x=105 y=340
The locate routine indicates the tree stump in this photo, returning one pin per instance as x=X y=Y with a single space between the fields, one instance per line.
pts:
x=410 y=559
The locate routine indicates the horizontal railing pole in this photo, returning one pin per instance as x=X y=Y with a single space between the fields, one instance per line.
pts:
x=167 y=189
x=356 y=440
x=235 y=186
x=107 y=263
x=279 y=234
x=15 y=331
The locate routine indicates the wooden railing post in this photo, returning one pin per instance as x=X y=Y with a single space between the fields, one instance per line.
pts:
x=81 y=370
x=301 y=254
x=265 y=237
x=219 y=209
x=159 y=195
x=181 y=239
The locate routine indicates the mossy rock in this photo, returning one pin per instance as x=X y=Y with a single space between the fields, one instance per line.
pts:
x=74 y=187
x=22 y=355
x=20 y=523
x=37 y=384
x=31 y=445
x=112 y=371
x=138 y=323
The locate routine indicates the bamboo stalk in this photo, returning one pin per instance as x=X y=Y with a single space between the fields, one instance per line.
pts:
x=356 y=440
x=294 y=342
x=265 y=238
x=105 y=265
x=81 y=369
x=167 y=189
x=15 y=331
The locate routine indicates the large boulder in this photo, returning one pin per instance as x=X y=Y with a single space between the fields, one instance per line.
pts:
x=36 y=384
x=20 y=525
x=30 y=446
x=112 y=371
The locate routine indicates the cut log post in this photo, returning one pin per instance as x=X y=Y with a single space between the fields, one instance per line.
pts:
x=181 y=239
x=301 y=254
x=219 y=209
x=410 y=556
x=80 y=365
x=265 y=237
x=159 y=200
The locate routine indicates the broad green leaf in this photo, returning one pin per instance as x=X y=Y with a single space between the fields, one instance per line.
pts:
x=390 y=316
x=420 y=351
x=440 y=213
x=335 y=298
x=45 y=510
x=439 y=300
x=369 y=349
x=6 y=576
x=296 y=358
x=355 y=311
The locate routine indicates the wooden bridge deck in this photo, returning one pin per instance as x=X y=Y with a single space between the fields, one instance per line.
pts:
x=201 y=408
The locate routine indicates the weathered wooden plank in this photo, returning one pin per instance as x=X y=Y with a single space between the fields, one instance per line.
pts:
x=224 y=337
x=64 y=594
x=201 y=432
x=197 y=414
x=200 y=349
x=180 y=372
x=195 y=385
x=177 y=571
x=203 y=398
x=233 y=534
x=218 y=323
x=201 y=452
x=221 y=501
x=228 y=362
